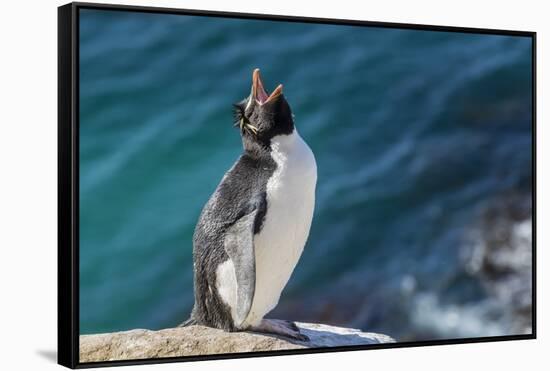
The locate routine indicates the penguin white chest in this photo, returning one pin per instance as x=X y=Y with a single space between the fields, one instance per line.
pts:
x=290 y=203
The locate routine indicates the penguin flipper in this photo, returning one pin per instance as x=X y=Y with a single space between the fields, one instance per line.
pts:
x=239 y=245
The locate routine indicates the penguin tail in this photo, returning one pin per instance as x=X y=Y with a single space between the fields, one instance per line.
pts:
x=188 y=322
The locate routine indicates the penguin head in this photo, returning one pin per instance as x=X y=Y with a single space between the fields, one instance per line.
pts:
x=262 y=116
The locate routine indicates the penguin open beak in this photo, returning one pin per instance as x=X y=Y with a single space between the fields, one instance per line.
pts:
x=258 y=90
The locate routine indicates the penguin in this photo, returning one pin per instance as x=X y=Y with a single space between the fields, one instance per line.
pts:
x=252 y=231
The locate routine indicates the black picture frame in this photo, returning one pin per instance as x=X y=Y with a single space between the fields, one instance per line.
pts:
x=68 y=181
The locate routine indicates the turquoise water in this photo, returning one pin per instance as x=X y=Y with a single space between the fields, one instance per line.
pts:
x=414 y=132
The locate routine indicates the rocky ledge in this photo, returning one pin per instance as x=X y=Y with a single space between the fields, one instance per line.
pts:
x=200 y=340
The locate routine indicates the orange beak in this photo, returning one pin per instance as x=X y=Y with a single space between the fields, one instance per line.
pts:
x=258 y=90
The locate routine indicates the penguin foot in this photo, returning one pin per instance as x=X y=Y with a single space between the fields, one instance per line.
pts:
x=280 y=327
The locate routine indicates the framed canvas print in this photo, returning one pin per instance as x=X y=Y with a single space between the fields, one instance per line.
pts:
x=242 y=185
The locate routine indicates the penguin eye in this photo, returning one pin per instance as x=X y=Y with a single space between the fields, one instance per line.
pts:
x=242 y=121
x=238 y=115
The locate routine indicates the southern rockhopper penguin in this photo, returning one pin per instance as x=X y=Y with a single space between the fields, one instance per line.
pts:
x=252 y=230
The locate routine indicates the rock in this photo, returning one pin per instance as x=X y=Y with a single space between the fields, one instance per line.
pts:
x=499 y=255
x=200 y=340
